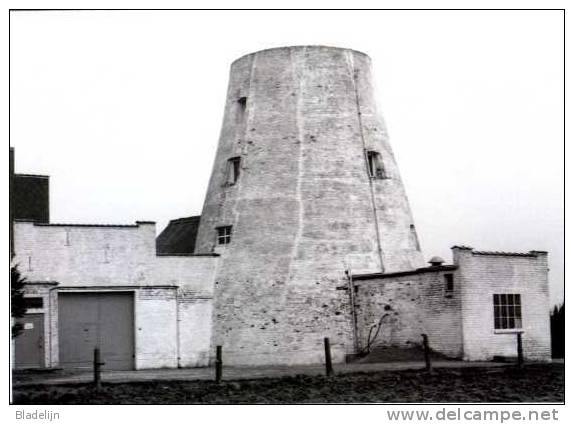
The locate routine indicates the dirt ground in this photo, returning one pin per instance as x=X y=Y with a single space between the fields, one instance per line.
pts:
x=534 y=383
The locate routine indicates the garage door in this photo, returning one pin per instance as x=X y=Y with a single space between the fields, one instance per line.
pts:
x=90 y=320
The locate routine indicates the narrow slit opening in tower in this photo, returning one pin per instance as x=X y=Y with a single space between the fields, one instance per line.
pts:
x=233 y=170
x=415 y=238
x=241 y=107
x=375 y=165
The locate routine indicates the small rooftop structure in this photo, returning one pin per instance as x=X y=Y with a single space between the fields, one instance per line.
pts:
x=436 y=261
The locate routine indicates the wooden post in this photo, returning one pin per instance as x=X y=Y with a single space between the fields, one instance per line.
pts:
x=427 y=352
x=328 y=363
x=97 y=370
x=218 y=364
x=520 y=359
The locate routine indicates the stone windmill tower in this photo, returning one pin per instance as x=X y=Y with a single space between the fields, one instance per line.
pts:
x=304 y=187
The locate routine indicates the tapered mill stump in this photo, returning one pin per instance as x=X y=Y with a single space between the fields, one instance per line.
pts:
x=304 y=186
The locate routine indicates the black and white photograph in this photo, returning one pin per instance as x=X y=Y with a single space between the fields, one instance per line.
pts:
x=287 y=207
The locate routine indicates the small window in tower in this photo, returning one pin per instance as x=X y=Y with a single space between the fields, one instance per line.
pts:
x=233 y=169
x=375 y=164
x=224 y=234
x=240 y=109
x=448 y=285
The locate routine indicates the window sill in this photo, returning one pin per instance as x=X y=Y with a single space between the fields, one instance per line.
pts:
x=508 y=331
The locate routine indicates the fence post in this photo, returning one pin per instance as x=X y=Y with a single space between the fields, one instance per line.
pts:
x=218 y=364
x=427 y=352
x=328 y=363
x=520 y=356
x=97 y=369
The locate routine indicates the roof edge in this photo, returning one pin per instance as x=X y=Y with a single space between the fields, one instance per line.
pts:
x=188 y=254
x=44 y=224
x=185 y=219
x=31 y=175
x=405 y=273
x=307 y=46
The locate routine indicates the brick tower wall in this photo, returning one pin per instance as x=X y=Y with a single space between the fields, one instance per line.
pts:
x=303 y=208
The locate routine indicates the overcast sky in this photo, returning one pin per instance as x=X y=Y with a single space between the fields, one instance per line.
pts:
x=123 y=111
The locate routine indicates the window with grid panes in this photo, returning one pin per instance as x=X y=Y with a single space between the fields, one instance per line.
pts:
x=224 y=235
x=507 y=311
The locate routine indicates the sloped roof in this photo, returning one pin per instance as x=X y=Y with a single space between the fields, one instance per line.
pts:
x=178 y=237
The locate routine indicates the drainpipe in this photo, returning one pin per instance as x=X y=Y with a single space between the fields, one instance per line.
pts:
x=353 y=312
x=177 y=332
x=371 y=188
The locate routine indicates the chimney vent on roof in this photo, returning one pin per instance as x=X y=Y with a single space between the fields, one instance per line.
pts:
x=436 y=261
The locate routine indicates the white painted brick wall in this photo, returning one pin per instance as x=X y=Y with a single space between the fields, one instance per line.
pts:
x=101 y=258
x=156 y=328
x=43 y=253
x=195 y=330
x=194 y=276
x=482 y=276
x=464 y=324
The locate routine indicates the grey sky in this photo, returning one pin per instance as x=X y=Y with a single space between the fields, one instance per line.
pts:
x=123 y=109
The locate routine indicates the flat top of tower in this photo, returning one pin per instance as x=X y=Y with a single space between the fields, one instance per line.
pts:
x=299 y=48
